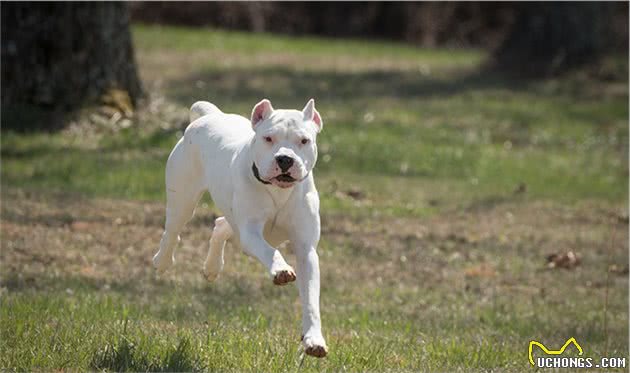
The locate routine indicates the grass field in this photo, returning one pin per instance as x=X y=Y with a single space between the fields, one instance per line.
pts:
x=444 y=188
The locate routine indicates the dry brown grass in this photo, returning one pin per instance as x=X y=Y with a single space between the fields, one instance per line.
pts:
x=105 y=240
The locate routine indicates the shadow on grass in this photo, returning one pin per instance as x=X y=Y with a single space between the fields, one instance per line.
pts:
x=32 y=118
x=123 y=141
x=166 y=300
x=126 y=355
x=292 y=85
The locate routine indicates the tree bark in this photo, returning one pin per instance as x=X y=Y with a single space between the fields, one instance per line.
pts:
x=62 y=55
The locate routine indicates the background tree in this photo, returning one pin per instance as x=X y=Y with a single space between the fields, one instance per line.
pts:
x=532 y=38
x=429 y=24
x=61 y=55
x=551 y=37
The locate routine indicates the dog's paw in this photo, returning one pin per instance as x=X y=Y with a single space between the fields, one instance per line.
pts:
x=283 y=276
x=212 y=267
x=162 y=263
x=314 y=345
x=211 y=274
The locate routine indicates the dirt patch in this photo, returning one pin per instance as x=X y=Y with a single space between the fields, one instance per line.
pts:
x=107 y=241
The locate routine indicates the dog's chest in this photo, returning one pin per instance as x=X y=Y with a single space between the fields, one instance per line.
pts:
x=280 y=219
x=275 y=234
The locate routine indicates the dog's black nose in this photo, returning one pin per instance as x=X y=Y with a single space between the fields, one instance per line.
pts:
x=284 y=162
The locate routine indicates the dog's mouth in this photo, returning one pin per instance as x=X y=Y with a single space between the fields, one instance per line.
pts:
x=285 y=178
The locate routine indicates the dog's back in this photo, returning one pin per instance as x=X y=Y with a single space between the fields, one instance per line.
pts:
x=201 y=108
x=221 y=129
x=208 y=149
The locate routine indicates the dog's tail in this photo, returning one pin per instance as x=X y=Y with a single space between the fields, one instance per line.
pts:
x=201 y=108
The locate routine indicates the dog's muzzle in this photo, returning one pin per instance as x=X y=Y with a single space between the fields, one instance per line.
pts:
x=285 y=178
x=257 y=175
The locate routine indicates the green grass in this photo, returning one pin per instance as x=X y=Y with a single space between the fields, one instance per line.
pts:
x=191 y=327
x=481 y=134
x=430 y=167
x=183 y=40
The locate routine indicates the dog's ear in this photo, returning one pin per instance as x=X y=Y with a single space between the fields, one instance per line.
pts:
x=310 y=113
x=261 y=111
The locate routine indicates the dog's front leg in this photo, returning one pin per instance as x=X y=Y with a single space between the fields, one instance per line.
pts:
x=308 y=283
x=254 y=244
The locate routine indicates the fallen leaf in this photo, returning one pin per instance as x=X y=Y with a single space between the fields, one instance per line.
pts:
x=566 y=260
x=482 y=270
x=79 y=226
x=521 y=188
x=355 y=193
x=618 y=270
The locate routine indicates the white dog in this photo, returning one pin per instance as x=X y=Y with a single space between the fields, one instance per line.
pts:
x=259 y=175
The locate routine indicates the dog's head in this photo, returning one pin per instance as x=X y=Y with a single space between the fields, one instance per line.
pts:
x=284 y=147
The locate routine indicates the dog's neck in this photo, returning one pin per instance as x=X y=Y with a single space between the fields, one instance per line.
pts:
x=279 y=196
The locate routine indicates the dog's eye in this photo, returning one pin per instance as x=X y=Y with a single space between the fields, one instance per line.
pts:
x=304 y=141
x=268 y=139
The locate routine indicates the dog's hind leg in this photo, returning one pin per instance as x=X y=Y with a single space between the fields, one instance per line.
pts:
x=214 y=261
x=183 y=191
x=177 y=215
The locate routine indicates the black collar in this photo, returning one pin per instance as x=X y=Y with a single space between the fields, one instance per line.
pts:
x=257 y=175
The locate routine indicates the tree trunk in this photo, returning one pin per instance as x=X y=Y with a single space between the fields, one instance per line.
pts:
x=61 y=55
x=548 y=38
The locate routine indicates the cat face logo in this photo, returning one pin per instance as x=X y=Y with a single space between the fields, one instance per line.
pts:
x=553 y=352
